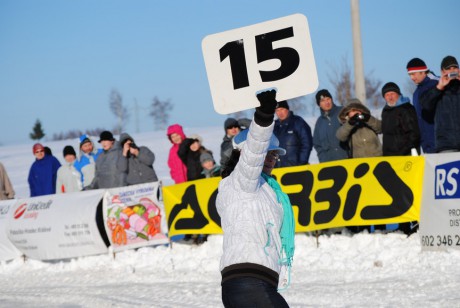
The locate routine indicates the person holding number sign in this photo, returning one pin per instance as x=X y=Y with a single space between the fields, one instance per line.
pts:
x=256 y=217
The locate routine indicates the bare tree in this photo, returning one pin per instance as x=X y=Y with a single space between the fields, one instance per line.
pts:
x=343 y=84
x=159 y=111
x=120 y=111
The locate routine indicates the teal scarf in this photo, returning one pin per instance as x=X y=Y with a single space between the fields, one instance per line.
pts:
x=287 y=231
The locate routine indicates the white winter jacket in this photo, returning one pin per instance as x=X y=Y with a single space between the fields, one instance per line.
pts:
x=251 y=216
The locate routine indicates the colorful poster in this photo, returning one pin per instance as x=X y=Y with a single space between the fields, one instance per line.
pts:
x=57 y=226
x=440 y=213
x=352 y=192
x=134 y=217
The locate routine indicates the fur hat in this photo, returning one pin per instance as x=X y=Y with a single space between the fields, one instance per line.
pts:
x=283 y=104
x=106 y=135
x=416 y=65
x=390 y=87
x=448 y=62
x=205 y=156
x=352 y=104
x=69 y=150
x=322 y=94
x=239 y=140
x=37 y=147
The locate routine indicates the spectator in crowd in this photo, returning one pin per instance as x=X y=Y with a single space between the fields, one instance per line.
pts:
x=256 y=217
x=294 y=135
x=359 y=130
x=137 y=163
x=48 y=151
x=325 y=142
x=424 y=80
x=68 y=177
x=400 y=129
x=444 y=101
x=43 y=172
x=189 y=152
x=108 y=174
x=86 y=165
x=177 y=168
x=232 y=128
x=6 y=188
x=210 y=169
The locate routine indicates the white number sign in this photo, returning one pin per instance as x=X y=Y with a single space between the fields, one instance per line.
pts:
x=273 y=54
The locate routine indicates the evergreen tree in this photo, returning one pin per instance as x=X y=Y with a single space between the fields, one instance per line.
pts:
x=37 y=131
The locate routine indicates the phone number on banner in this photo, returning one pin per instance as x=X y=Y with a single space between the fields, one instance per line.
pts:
x=440 y=240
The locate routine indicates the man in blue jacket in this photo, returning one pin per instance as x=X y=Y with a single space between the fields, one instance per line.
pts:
x=294 y=135
x=43 y=172
x=421 y=76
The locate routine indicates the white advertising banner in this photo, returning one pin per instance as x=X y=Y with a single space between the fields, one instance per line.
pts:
x=134 y=217
x=273 y=54
x=7 y=250
x=440 y=212
x=57 y=226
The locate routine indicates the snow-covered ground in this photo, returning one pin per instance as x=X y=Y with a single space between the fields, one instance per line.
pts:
x=380 y=270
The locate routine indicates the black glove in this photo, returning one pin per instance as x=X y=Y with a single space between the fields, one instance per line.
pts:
x=266 y=111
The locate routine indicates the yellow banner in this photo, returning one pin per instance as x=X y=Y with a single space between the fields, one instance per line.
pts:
x=352 y=192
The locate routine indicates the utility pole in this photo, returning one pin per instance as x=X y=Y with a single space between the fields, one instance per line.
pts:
x=360 y=85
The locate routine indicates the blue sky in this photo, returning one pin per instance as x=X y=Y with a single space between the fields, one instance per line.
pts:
x=59 y=60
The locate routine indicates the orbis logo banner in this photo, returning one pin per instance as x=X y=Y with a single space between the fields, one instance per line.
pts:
x=352 y=192
x=447 y=179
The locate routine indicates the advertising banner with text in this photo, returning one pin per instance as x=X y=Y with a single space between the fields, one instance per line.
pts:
x=440 y=213
x=134 y=217
x=352 y=192
x=57 y=226
x=7 y=250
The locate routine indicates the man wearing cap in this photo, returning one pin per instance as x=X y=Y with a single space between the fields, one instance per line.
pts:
x=68 y=177
x=43 y=172
x=232 y=127
x=294 y=135
x=325 y=142
x=444 y=101
x=86 y=165
x=424 y=80
x=399 y=123
x=108 y=174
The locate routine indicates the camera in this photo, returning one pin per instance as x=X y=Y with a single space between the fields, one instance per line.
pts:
x=452 y=75
x=360 y=116
x=133 y=145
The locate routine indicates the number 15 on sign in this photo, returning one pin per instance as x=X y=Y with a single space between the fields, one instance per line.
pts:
x=273 y=54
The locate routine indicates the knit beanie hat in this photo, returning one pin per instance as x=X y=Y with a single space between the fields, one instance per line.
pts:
x=205 y=156
x=390 y=87
x=37 y=147
x=416 y=65
x=322 y=94
x=231 y=122
x=448 y=62
x=283 y=104
x=68 y=150
x=84 y=139
x=106 y=135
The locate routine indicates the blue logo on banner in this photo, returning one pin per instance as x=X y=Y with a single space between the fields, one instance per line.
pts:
x=446 y=183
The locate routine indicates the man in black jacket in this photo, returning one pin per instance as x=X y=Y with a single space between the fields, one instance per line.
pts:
x=444 y=101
